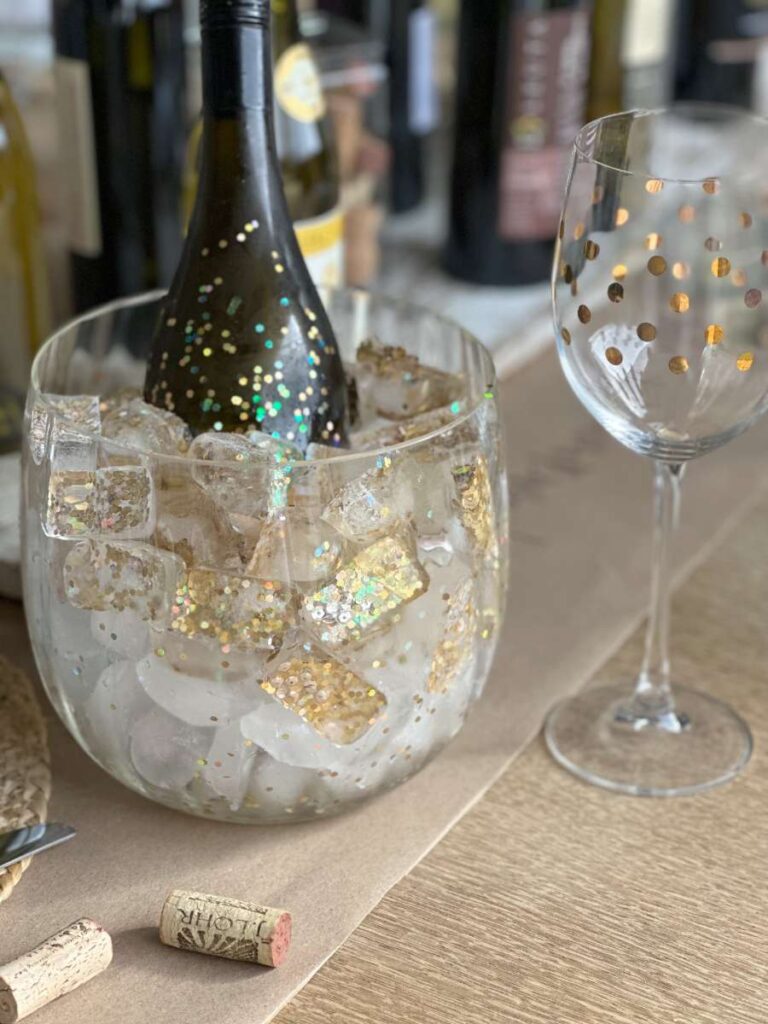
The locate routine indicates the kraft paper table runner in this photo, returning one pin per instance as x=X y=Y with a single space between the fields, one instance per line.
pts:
x=595 y=908
x=580 y=555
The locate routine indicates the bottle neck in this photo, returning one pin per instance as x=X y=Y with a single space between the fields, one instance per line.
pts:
x=285 y=25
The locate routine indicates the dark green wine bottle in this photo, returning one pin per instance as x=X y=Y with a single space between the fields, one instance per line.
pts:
x=244 y=343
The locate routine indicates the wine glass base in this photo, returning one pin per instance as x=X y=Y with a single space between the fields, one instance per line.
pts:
x=702 y=745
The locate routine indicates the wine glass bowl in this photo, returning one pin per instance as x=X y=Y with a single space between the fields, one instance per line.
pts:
x=264 y=639
x=660 y=297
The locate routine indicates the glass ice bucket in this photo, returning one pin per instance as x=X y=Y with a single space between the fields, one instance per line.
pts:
x=261 y=637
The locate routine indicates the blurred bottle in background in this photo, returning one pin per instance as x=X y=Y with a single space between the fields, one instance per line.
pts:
x=307 y=149
x=23 y=286
x=719 y=43
x=120 y=92
x=633 y=52
x=520 y=101
x=407 y=29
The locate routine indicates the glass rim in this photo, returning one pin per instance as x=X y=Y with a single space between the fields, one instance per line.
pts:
x=725 y=110
x=145 y=298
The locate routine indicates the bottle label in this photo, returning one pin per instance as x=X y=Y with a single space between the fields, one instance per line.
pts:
x=423 y=112
x=78 y=156
x=297 y=85
x=545 y=98
x=322 y=245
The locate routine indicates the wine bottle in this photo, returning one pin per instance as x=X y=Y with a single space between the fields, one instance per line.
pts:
x=631 y=65
x=718 y=49
x=243 y=342
x=23 y=285
x=520 y=102
x=121 y=110
x=306 y=147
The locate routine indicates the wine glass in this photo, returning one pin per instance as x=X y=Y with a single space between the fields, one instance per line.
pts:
x=660 y=293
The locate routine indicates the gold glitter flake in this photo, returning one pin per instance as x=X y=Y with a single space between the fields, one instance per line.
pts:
x=686 y=214
x=753 y=298
x=330 y=698
x=653 y=186
x=584 y=314
x=619 y=271
x=714 y=334
x=237 y=612
x=567 y=273
x=565 y=334
x=646 y=332
x=680 y=302
x=616 y=292
x=711 y=186
x=591 y=250
x=745 y=219
x=622 y=216
x=720 y=267
x=745 y=362
x=476 y=503
x=653 y=241
x=713 y=244
x=678 y=365
x=368 y=592
x=454 y=650
x=598 y=194
x=578 y=231
x=657 y=266
x=738 y=278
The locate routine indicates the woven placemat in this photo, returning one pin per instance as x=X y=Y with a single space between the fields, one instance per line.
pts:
x=25 y=776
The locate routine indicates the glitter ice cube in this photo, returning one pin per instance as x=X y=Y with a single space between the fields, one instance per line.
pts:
x=229 y=763
x=77 y=411
x=123 y=634
x=398 y=386
x=112 y=501
x=234 y=611
x=294 y=547
x=120 y=576
x=146 y=429
x=475 y=503
x=246 y=475
x=367 y=592
x=165 y=752
x=327 y=695
x=455 y=649
x=414 y=428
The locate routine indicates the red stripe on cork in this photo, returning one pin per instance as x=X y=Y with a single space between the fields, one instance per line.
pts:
x=280 y=941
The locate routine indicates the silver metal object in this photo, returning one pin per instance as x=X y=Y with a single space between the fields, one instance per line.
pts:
x=26 y=842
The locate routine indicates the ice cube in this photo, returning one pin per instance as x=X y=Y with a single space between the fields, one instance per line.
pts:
x=398 y=386
x=294 y=547
x=199 y=702
x=204 y=659
x=123 y=634
x=244 y=475
x=116 y=576
x=191 y=526
x=115 y=501
x=228 y=765
x=370 y=505
x=279 y=788
x=78 y=411
x=119 y=399
x=146 y=429
x=237 y=612
x=167 y=753
x=367 y=592
x=110 y=713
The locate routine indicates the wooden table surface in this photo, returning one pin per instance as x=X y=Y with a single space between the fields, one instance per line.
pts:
x=553 y=902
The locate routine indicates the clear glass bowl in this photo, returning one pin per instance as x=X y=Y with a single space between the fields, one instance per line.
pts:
x=265 y=639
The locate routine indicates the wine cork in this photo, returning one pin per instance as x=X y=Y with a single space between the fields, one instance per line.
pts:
x=219 y=926
x=57 y=966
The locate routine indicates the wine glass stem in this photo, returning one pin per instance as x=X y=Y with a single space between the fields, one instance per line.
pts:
x=653 y=697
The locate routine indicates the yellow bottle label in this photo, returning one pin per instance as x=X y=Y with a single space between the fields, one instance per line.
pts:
x=297 y=85
x=322 y=245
